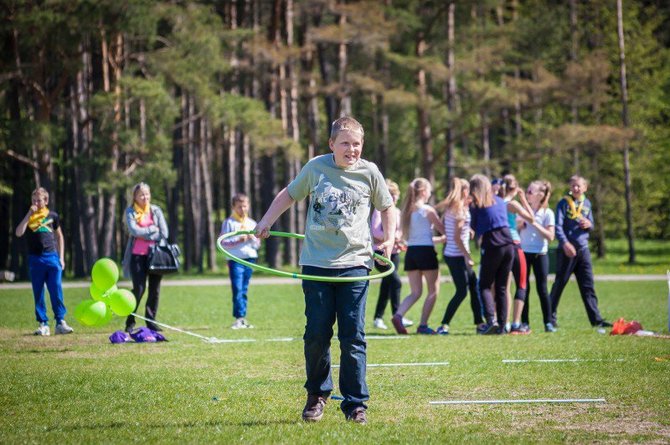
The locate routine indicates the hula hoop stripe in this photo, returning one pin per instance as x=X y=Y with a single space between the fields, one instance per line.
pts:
x=282 y=273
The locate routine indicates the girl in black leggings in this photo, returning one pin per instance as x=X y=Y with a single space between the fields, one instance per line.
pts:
x=489 y=221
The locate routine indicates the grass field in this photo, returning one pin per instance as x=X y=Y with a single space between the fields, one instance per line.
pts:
x=82 y=389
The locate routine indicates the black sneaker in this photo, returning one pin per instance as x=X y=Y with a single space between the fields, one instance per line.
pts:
x=313 y=411
x=603 y=324
x=357 y=415
x=488 y=329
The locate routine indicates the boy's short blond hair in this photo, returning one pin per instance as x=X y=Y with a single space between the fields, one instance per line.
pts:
x=575 y=178
x=239 y=197
x=346 y=123
x=42 y=192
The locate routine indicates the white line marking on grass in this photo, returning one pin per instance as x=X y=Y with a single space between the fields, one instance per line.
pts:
x=497 y=402
x=395 y=365
x=282 y=339
x=561 y=360
x=386 y=337
x=230 y=340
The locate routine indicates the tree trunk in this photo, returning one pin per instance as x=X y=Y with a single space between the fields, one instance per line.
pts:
x=626 y=123
x=209 y=237
x=423 y=112
x=450 y=92
x=87 y=211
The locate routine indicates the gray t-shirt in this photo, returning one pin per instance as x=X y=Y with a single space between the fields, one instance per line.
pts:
x=337 y=230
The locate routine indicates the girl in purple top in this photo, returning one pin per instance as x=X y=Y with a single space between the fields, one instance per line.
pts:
x=489 y=221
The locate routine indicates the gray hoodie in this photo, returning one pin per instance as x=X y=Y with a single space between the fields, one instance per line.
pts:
x=153 y=233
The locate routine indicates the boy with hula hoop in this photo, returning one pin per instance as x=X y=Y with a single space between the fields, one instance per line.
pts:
x=342 y=188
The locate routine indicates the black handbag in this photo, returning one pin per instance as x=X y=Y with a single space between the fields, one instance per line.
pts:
x=164 y=258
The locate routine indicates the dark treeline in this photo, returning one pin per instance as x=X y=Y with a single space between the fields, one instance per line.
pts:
x=208 y=98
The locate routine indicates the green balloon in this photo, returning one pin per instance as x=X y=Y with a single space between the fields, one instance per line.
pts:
x=91 y=313
x=106 y=319
x=122 y=302
x=98 y=295
x=81 y=308
x=105 y=274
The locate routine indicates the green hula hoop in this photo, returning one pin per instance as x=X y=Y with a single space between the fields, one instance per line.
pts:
x=300 y=276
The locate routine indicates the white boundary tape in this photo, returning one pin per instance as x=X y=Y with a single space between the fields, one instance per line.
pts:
x=503 y=401
x=396 y=365
x=561 y=360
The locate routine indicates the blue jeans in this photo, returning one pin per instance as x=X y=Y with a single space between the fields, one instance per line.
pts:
x=239 y=280
x=325 y=302
x=46 y=269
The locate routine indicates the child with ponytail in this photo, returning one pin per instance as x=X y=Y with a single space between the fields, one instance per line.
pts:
x=418 y=221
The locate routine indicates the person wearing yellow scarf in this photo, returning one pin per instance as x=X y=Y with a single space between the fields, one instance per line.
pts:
x=242 y=246
x=241 y=218
x=574 y=211
x=46 y=261
x=141 y=212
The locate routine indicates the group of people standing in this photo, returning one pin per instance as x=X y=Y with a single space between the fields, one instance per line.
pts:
x=513 y=229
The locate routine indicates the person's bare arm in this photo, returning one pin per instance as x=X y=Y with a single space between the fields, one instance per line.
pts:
x=388 y=223
x=279 y=205
x=21 y=228
x=60 y=243
x=459 y=242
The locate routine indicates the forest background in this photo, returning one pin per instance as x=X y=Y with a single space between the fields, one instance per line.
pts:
x=202 y=99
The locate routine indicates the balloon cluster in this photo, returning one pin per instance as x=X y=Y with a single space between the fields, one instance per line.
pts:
x=106 y=297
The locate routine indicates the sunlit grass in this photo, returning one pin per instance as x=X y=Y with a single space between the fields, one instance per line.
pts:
x=82 y=389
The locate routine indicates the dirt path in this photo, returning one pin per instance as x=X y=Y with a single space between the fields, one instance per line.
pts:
x=265 y=281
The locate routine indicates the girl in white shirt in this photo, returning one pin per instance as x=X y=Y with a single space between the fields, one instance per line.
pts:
x=418 y=220
x=535 y=243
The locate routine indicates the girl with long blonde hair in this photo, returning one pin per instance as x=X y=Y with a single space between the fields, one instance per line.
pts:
x=456 y=253
x=419 y=220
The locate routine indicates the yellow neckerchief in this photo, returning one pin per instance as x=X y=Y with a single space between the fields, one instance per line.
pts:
x=242 y=219
x=35 y=221
x=140 y=212
x=574 y=212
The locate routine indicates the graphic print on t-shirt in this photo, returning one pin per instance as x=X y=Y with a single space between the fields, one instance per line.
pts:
x=333 y=208
x=45 y=225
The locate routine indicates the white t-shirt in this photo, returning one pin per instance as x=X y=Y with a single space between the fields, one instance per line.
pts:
x=531 y=240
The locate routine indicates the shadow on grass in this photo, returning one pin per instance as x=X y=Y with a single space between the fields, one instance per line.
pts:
x=170 y=425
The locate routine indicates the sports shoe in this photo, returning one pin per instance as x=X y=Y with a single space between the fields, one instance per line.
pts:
x=520 y=329
x=379 y=324
x=425 y=330
x=407 y=322
x=313 y=411
x=549 y=328
x=443 y=330
x=603 y=324
x=398 y=325
x=241 y=323
x=63 y=328
x=357 y=415
x=488 y=329
x=43 y=329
